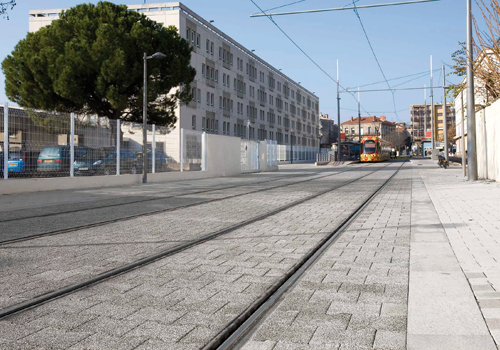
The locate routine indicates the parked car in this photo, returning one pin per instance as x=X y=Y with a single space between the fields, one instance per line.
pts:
x=161 y=161
x=16 y=162
x=85 y=163
x=56 y=159
x=107 y=165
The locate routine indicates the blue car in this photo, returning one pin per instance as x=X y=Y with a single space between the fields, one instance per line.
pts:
x=16 y=162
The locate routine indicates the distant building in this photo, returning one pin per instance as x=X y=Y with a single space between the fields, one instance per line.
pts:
x=370 y=126
x=329 y=131
x=421 y=121
x=396 y=133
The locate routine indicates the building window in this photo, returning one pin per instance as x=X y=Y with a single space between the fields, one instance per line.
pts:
x=220 y=53
x=187 y=34
x=192 y=37
x=212 y=48
x=216 y=126
x=212 y=100
x=216 y=75
x=198 y=96
x=208 y=98
x=203 y=69
x=198 y=39
x=220 y=102
x=193 y=122
x=208 y=45
x=203 y=123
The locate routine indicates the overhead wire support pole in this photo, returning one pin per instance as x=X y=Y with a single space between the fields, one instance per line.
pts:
x=462 y=139
x=341 y=8
x=471 y=105
x=433 y=144
x=425 y=119
x=359 y=121
x=338 y=111
x=445 y=118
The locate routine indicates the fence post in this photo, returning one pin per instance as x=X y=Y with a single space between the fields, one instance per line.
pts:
x=72 y=146
x=153 y=151
x=182 y=150
x=204 y=151
x=6 y=141
x=118 y=134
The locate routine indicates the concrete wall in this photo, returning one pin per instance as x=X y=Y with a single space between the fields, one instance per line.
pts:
x=488 y=142
x=223 y=155
x=223 y=159
x=264 y=166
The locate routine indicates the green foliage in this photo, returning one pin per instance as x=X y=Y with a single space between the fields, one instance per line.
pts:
x=459 y=69
x=91 y=61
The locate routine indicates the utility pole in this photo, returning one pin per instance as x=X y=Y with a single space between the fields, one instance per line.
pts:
x=462 y=140
x=445 y=127
x=432 y=116
x=338 y=111
x=145 y=123
x=471 y=105
x=359 y=121
x=425 y=119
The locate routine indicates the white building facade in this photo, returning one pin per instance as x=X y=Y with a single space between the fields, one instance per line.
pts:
x=235 y=93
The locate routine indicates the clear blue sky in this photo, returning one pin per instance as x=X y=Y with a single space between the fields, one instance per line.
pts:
x=403 y=38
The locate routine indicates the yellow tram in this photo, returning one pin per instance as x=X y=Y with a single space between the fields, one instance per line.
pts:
x=374 y=149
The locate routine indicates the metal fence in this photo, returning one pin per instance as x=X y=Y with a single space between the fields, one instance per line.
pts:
x=46 y=144
x=249 y=156
x=296 y=153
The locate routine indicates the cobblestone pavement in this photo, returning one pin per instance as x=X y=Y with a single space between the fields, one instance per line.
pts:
x=470 y=216
x=355 y=295
x=76 y=256
x=117 y=203
x=182 y=301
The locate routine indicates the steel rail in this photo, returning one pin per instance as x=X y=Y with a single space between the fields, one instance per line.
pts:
x=47 y=297
x=154 y=212
x=153 y=199
x=242 y=325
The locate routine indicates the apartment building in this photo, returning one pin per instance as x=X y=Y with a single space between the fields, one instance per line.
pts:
x=421 y=121
x=370 y=126
x=235 y=92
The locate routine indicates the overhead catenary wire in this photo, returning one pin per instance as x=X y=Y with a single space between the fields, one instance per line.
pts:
x=289 y=4
x=376 y=59
x=393 y=89
x=301 y=50
x=392 y=79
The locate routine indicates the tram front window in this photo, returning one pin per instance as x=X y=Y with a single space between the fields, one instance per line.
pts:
x=370 y=147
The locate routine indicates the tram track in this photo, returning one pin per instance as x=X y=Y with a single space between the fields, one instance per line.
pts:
x=156 y=198
x=154 y=212
x=234 y=335
x=47 y=297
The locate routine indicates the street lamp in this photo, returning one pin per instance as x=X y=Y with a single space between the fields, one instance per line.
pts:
x=248 y=127
x=157 y=55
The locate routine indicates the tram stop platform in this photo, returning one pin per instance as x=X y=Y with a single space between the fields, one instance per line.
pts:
x=454 y=286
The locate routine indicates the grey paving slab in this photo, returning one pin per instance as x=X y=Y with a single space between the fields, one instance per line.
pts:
x=442 y=310
x=73 y=257
x=354 y=296
x=34 y=213
x=193 y=293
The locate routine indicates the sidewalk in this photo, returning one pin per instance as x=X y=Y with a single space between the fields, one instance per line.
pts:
x=454 y=298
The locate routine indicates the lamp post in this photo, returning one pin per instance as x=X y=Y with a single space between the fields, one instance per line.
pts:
x=157 y=55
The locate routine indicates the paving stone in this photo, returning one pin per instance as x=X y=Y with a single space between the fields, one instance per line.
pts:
x=387 y=340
